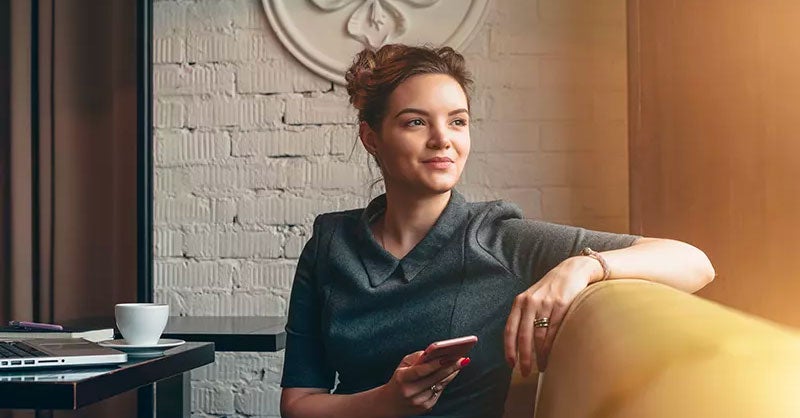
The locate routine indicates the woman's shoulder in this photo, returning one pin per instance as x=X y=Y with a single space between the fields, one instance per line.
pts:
x=492 y=220
x=488 y=212
x=330 y=220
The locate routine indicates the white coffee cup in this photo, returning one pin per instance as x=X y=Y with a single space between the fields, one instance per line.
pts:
x=141 y=323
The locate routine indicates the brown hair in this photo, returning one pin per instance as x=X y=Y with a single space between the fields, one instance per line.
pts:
x=375 y=74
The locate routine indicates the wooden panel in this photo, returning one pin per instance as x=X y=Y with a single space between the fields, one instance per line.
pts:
x=94 y=144
x=5 y=151
x=95 y=157
x=714 y=146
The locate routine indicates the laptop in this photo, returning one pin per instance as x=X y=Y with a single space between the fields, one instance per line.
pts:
x=56 y=352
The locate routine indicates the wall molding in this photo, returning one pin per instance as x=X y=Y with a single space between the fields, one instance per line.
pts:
x=325 y=35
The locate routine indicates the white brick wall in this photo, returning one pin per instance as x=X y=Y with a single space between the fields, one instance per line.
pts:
x=250 y=146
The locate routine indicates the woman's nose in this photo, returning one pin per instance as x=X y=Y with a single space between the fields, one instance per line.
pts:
x=439 y=137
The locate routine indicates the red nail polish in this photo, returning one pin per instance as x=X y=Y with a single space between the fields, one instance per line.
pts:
x=464 y=362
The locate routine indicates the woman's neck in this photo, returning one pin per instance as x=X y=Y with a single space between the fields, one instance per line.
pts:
x=408 y=218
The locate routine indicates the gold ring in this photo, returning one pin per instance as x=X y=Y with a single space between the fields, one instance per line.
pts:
x=436 y=388
x=541 y=322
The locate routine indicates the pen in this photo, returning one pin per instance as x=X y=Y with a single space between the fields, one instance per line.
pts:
x=35 y=325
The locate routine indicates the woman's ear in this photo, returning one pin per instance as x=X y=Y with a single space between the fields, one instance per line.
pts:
x=368 y=137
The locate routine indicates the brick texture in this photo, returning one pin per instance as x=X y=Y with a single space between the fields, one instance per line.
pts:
x=250 y=146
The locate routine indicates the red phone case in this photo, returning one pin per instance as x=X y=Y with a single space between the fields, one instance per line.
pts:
x=452 y=349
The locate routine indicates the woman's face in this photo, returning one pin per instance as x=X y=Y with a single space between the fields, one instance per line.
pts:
x=423 y=142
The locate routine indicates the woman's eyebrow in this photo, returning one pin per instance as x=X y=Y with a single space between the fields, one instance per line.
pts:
x=412 y=110
x=424 y=113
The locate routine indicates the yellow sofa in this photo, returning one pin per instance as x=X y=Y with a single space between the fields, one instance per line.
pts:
x=635 y=349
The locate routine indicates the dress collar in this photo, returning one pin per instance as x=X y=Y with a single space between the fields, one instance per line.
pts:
x=381 y=265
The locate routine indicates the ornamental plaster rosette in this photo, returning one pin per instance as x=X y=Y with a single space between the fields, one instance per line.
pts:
x=325 y=35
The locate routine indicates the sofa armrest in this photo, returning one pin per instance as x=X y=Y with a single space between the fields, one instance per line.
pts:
x=631 y=348
x=521 y=395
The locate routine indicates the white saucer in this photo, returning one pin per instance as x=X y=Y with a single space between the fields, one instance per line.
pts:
x=121 y=345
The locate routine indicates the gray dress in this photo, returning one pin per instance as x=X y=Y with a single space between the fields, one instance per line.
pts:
x=357 y=311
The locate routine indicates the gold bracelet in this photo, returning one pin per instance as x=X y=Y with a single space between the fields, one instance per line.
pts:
x=588 y=252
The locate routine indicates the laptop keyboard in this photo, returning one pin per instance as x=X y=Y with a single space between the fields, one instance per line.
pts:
x=15 y=349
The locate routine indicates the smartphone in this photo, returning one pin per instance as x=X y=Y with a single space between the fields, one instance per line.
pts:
x=452 y=349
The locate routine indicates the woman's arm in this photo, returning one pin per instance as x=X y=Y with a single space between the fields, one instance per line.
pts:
x=408 y=392
x=318 y=403
x=666 y=261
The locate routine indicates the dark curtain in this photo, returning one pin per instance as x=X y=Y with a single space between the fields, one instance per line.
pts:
x=68 y=165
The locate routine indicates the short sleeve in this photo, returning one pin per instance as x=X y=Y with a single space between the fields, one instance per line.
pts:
x=304 y=362
x=531 y=248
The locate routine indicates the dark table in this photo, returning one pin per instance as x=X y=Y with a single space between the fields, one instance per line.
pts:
x=77 y=387
x=227 y=333
x=230 y=333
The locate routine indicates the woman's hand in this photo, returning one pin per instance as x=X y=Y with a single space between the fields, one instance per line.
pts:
x=548 y=298
x=409 y=391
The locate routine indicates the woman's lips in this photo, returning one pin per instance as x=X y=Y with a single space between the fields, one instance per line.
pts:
x=438 y=163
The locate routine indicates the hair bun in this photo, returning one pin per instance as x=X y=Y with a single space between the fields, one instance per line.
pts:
x=358 y=78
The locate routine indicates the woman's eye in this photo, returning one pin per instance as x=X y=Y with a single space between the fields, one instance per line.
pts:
x=415 y=122
x=460 y=122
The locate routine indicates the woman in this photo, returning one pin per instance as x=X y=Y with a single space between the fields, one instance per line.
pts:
x=374 y=286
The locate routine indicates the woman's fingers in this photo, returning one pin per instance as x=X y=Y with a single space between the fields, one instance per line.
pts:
x=411 y=359
x=420 y=371
x=424 y=375
x=529 y=307
x=510 y=334
x=417 y=387
x=547 y=299
x=444 y=382
x=440 y=375
x=448 y=379
x=555 y=322
x=525 y=332
x=429 y=397
x=540 y=333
